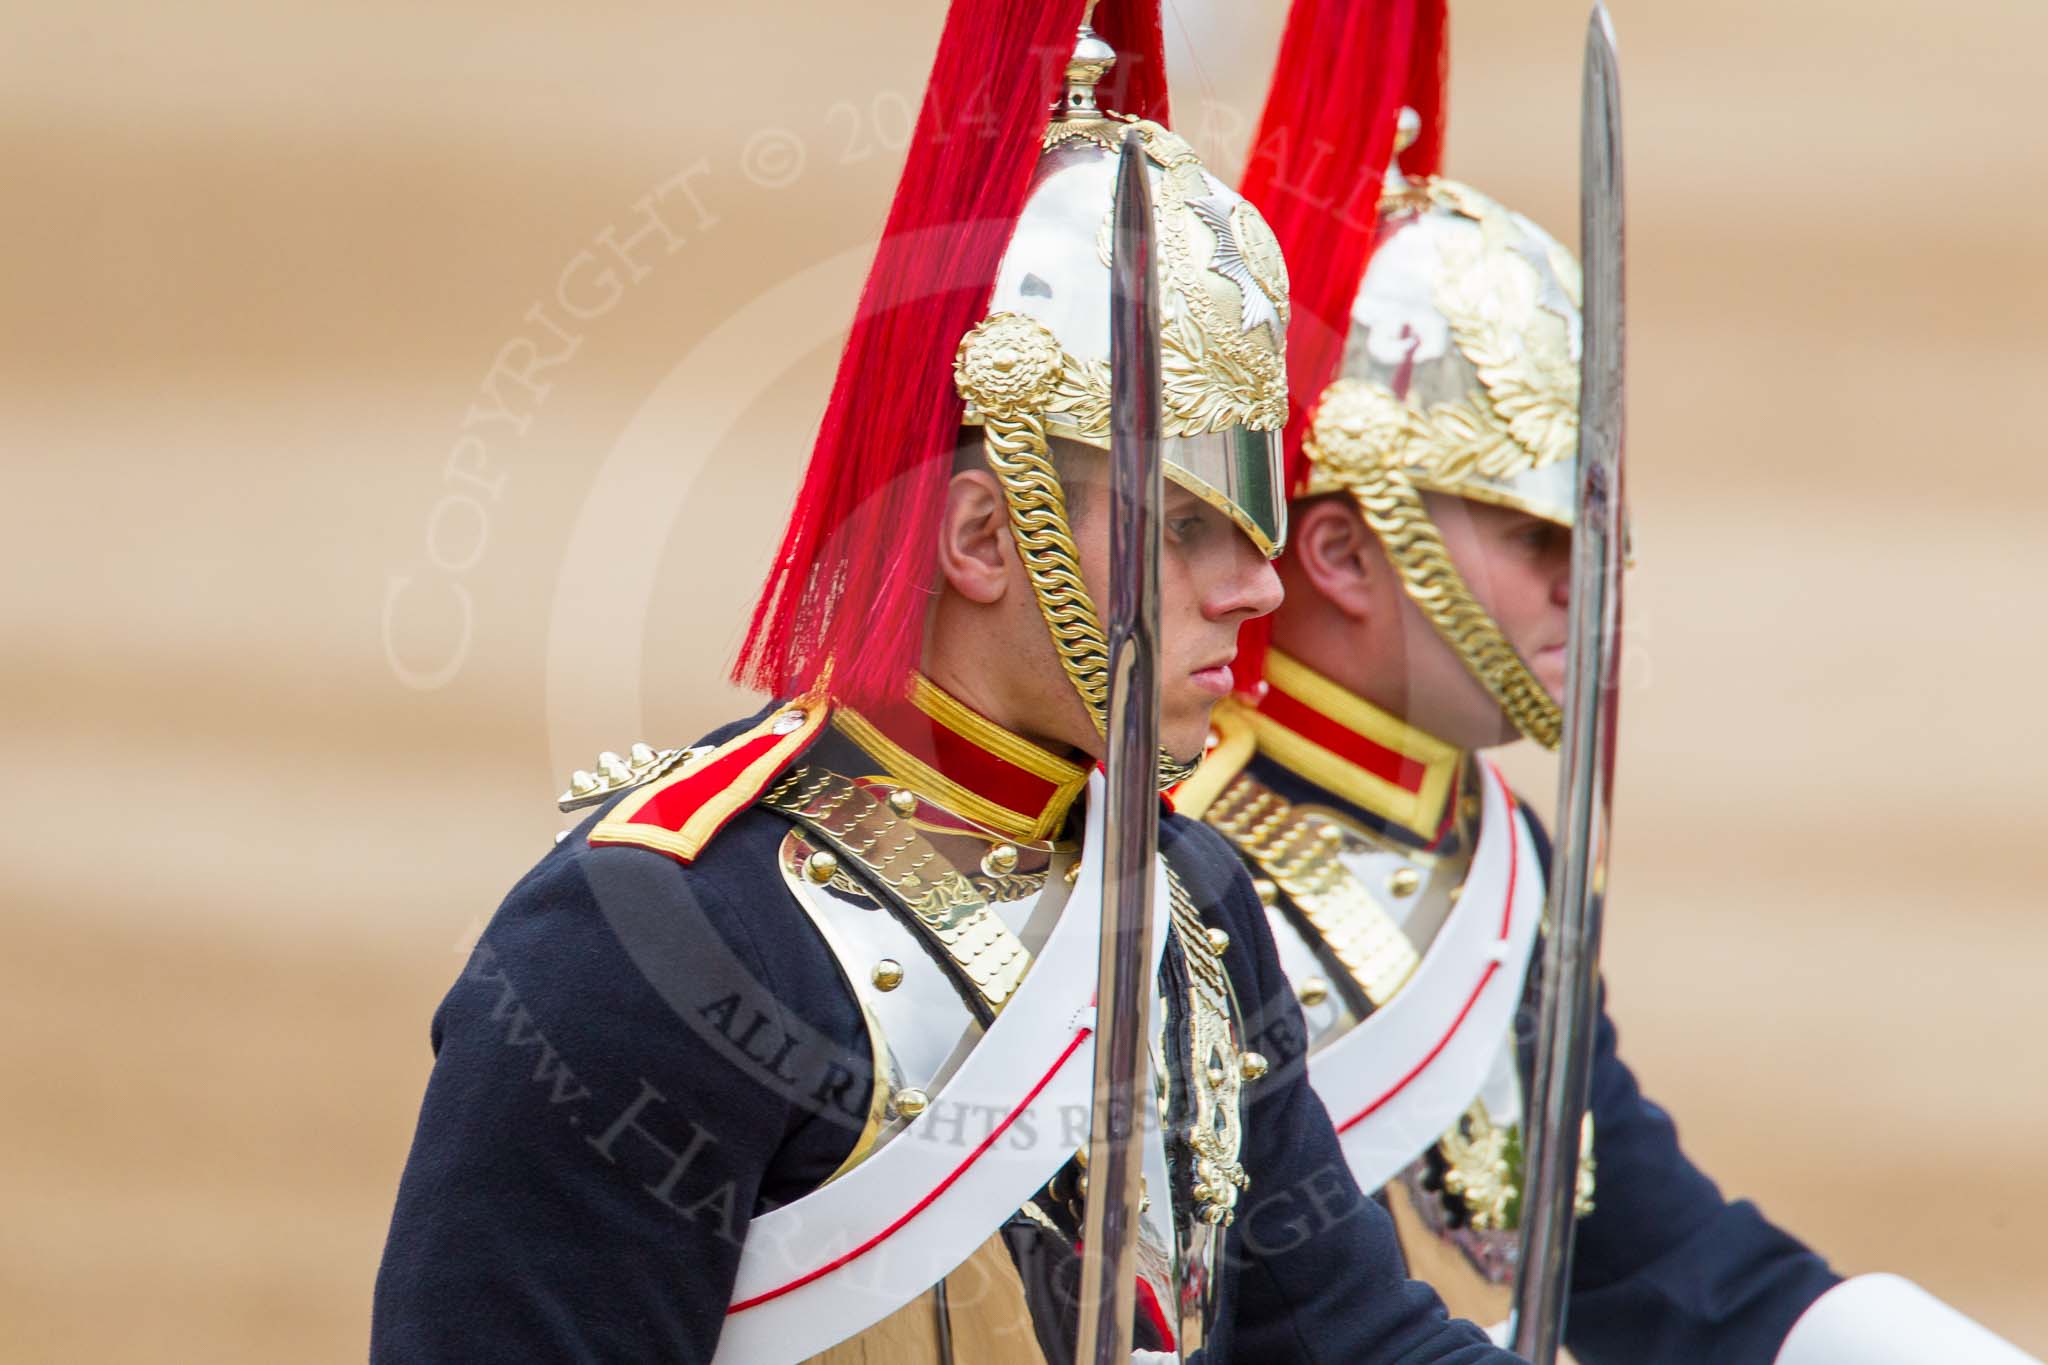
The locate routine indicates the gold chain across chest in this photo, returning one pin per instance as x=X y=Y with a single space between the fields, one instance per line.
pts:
x=947 y=907
x=1298 y=853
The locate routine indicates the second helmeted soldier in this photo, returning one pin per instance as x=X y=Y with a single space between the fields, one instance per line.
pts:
x=1435 y=360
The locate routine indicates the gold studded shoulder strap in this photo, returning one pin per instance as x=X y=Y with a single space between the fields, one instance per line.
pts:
x=1298 y=853
x=985 y=957
x=613 y=774
x=677 y=802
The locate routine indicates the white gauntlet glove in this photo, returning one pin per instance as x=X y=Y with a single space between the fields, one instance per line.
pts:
x=1886 y=1320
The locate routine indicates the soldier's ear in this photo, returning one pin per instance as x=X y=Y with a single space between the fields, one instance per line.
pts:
x=975 y=552
x=1337 y=554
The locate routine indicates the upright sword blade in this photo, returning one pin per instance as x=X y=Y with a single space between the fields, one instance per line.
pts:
x=1131 y=823
x=1578 y=872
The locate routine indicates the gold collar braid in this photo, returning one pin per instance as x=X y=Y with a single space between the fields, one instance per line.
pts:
x=998 y=780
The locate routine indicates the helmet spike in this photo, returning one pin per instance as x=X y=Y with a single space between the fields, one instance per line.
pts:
x=1091 y=61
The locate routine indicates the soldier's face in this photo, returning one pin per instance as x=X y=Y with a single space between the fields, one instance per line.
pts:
x=1212 y=579
x=1519 y=568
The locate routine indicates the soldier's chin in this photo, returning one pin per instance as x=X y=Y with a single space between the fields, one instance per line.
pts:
x=1184 y=732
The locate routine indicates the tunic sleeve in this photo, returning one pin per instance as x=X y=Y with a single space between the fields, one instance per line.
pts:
x=618 y=1086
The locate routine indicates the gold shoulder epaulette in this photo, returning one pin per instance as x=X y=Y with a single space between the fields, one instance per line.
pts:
x=1231 y=746
x=612 y=774
x=680 y=798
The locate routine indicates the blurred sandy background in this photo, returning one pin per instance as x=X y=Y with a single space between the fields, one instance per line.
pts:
x=313 y=600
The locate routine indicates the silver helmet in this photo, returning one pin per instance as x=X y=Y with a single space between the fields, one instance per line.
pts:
x=1038 y=365
x=1460 y=375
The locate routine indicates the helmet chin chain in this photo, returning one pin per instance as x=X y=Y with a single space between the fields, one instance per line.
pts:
x=1009 y=369
x=1395 y=511
x=1016 y=450
x=1017 y=453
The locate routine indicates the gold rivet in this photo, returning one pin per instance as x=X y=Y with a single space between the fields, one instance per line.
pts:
x=1074 y=872
x=887 y=975
x=903 y=801
x=1218 y=940
x=1000 y=859
x=911 y=1102
x=1330 y=834
x=789 y=722
x=1403 y=881
x=1216 y=1077
x=1252 y=1065
x=820 y=866
x=1313 y=991
x=1269 y=891
x=1081 y=1157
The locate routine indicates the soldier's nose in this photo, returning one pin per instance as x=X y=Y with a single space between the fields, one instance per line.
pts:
x=1252 y=588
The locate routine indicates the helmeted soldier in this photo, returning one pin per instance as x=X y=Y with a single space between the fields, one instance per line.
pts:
x=1434 y=355
x=783 y=1050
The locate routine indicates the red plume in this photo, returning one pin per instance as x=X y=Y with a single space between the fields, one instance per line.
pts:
x=1428 y=74
x=1346 y=68
x=848 y=592
x=1137 y=84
